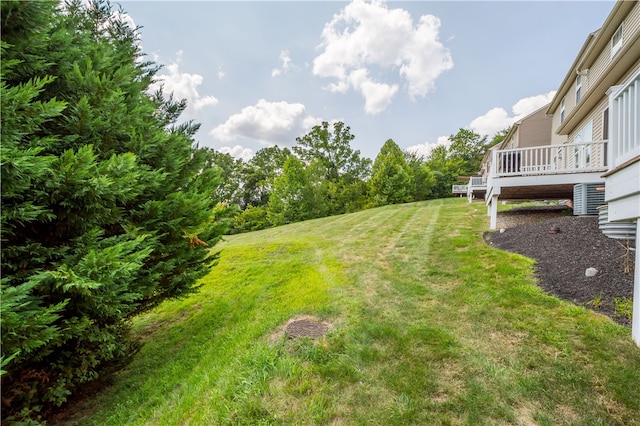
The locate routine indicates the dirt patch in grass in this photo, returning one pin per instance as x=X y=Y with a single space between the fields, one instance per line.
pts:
x=563 y=258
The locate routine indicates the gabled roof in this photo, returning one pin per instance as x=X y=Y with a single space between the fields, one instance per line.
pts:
x=592 y=47
x=571 y=74
x=515 y=125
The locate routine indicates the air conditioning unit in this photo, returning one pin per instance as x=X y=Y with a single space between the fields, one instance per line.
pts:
x=587 y=198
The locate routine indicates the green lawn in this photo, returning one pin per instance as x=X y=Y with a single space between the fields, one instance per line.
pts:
x=429 y=326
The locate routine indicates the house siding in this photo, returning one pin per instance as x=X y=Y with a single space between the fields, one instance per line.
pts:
x=535 y=130
x=630 y=27
x=596 y=115
x=597 y=68
x=532 y=130
x=557 y=139
x=631 y=24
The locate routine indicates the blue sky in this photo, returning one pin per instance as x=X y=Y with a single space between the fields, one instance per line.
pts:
x=257 y=74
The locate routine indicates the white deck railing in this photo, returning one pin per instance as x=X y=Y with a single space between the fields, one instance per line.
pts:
x=624 y=114
x=459 y=189
x=583 y=157
x=478 y=182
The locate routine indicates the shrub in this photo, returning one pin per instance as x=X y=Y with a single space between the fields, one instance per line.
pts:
x=107 y=206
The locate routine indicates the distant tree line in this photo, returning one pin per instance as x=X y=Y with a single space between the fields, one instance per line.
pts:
x=322 y=175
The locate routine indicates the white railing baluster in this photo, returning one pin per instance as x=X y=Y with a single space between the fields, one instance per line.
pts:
x=624 y=117
x=550 y=159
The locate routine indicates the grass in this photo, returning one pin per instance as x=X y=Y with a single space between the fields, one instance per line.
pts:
x=430 y=326
x=623 y=306
x=510 y=205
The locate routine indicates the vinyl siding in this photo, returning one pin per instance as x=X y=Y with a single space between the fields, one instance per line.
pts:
x=535 y=130
x=631 y=26
x=595 y=116
x=557 y=139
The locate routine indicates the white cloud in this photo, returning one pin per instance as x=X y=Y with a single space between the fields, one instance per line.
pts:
x=369 y=35
x=221 y=73
x=492 y=122
x=269 y=123
x=287 y=65
x=183 y=85
x=497 y=119
x=526 y=106
x=424 y=149
x=377 y=95
x=237 y=151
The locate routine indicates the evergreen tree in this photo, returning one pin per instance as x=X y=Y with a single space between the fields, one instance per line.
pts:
x=107 y=205
x=391 y=177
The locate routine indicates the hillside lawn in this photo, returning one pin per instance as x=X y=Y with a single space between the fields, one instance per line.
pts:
x=429 y=325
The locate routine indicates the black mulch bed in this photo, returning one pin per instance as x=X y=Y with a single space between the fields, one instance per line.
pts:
x=563 y=257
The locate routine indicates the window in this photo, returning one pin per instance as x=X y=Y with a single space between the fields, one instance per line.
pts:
x=616 y=41
x=582 y=147
x=578 y=88
x=562 y=111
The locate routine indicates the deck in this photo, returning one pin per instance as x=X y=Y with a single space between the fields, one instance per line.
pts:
x=545 y=172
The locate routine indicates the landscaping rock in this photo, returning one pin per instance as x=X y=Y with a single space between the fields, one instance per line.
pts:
x=591 y=272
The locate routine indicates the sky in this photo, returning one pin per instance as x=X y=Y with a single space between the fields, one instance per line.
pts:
x=258 y=74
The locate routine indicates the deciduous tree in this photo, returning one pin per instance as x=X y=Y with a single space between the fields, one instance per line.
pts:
x=344 y=168
x=466 y=151
x=298 y=194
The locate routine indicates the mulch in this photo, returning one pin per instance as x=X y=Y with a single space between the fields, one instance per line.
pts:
x=563 y=257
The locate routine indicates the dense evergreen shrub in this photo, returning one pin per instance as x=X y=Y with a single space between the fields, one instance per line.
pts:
x=107 y=204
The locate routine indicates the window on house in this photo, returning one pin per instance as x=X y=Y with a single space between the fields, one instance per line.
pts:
x=562 y=109
x=582 y=146
x=578 y=88
x=616 y=41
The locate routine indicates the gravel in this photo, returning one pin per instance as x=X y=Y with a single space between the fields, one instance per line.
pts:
x=564 y=254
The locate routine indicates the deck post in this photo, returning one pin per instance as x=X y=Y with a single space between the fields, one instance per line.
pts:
x=635 y=315
x=493 y=209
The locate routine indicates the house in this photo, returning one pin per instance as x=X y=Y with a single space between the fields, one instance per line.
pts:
x=532 y=130
x=594 y=141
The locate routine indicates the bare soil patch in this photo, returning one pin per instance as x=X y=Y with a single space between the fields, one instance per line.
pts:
x=563 y=257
